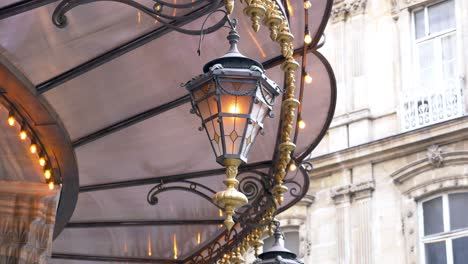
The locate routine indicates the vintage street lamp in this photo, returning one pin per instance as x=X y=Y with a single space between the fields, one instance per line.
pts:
x=232 y=98
x=277 y=254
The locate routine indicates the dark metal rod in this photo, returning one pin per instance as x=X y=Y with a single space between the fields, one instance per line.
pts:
x=116 y=52
x=174 y=222
x=170 y=178
x=22 y=6
x=112 y=258
x=130 y=121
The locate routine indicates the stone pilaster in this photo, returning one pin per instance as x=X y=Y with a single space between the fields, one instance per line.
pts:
x=27 y=218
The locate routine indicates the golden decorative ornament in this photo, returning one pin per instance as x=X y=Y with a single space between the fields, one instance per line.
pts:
x=255 y=10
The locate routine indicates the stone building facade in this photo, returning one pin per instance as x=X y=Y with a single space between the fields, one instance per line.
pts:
x=390 y=178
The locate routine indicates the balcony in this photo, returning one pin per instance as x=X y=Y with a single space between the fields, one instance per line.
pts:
x=424 y=107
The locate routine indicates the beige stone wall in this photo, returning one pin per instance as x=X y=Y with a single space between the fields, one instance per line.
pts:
x=368 y=174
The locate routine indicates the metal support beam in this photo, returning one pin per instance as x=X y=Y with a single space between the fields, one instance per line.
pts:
x=22 y=6
x=175 y=222
x=170 y=178
x=113 y=258
x=117 y=52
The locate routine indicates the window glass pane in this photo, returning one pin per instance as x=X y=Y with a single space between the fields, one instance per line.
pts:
x=435 y=253
x=441 y=16
x=460 y=250
x=426 y=64
x=458 y=210
x=419 y=24
x=433 y=216
x=448 y=56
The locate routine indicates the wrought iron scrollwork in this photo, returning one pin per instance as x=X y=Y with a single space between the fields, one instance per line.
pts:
x=157 y=12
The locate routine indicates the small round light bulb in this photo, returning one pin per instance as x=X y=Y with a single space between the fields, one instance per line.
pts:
x=23 y=135
x=302 y=124
x=51 y=185
x=308 y=79
x=11 y=120
x=47 y=174
x=42 y=161
x=292 y=167
x=33 y=148
x=307 y=4
x=307 y=38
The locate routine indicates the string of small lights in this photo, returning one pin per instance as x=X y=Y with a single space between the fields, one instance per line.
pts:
x=16 y=119
x=306 y=77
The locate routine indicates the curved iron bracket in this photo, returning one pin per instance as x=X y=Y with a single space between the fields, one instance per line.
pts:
x=157 y=12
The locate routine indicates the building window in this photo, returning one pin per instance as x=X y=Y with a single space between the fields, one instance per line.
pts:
x=435 y=95
x=444 y=229
x=435 y=44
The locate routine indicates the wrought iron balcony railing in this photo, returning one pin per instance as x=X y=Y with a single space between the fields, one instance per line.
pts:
x=424 y=107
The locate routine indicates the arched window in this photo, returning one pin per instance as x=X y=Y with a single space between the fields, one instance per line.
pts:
x=444 y=229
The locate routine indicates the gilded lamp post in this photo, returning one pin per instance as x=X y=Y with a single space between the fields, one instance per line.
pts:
x=232 y=98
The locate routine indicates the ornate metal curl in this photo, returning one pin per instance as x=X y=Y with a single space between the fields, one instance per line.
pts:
x=193 y=187
x=157 y=12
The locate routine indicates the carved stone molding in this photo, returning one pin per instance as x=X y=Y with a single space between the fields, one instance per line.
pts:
x=27 y=218
x=434 y=156
x=353 y=192
x=345 y=9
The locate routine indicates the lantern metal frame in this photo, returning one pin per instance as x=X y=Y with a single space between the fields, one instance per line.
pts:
x=234 y=68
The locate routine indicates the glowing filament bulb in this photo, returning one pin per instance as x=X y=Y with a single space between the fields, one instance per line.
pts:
x=220 y=213
x=11 y=120
x=198 y=238
x=307 y=37
x=302 y=124
x=307 y=4
x=308 y=79
x=51 y=185
x=47 y=174
x=175 y=246
x=292 y=167
x=33 y=148
x=234 y=109
x=23 y=135
x=42 y=161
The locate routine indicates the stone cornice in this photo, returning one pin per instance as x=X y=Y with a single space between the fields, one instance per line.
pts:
x=352 y=192
x=391 y=147
x=344 y=9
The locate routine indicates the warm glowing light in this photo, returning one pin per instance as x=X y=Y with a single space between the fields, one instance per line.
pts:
x=150 y=253
x=292 y=167
x=220 y=213
x=23 y=135
x=33 y=148
x=47 y=174
x=307 y=4
x=139 y=17
x=175 y=246
x=51 y=185
x=307 y=38
x=42 y=161
x=308 y=79
x=302 y=124
x=199 y=238
x=234 y=109
x=11 y=120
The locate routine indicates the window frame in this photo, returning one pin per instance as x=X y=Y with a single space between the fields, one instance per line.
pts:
x=447 y=235
x=428 y=37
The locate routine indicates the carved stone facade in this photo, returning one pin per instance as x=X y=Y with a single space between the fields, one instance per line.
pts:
x=370 y=172
x=27 y=217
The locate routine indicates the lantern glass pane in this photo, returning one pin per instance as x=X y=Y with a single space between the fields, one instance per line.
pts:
x=250 y=136
x=238 y=86
x=234 y=128
x=207 y=107
x=212 y=128
x=235 y=104
x=259 y=112
x=206 y=89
